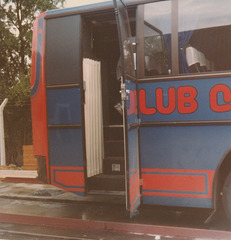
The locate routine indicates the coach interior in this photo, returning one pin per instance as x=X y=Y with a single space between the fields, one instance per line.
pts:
x=101 y=44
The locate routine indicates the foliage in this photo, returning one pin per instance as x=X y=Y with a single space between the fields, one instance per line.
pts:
x=156 y=49
x=17 y=17
x=16 y=23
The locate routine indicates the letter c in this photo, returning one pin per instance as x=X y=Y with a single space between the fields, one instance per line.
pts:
x=214 y=95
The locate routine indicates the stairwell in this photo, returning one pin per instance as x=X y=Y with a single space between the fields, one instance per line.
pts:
x=113 y=177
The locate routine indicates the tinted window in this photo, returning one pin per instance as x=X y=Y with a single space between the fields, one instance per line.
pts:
x=62 y=58
x=196 y=37
x=204 y=35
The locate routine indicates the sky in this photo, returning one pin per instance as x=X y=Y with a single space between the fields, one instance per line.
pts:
x=193 y=14
x=74 y=3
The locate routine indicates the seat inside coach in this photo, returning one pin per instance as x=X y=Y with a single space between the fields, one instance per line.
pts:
x=208 y=49
x=105 y=170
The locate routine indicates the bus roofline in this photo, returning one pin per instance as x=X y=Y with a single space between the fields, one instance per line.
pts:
x=89 y=8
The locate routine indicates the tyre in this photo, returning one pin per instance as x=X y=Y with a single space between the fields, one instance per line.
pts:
x=226 y=196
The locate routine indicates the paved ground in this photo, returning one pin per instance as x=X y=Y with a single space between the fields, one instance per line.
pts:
x=49 y=201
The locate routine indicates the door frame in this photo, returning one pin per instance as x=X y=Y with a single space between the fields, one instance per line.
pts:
x=132 y=182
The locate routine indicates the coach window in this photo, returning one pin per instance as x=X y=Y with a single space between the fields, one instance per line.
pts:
x=63 y=59
x=204 y=35
x=157 y=38
x=183 y=37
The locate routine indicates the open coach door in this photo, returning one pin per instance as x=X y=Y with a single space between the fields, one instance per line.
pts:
x=129 y=103
x=64 y=103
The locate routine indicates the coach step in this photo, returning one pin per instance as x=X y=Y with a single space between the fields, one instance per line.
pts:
x=107 y=182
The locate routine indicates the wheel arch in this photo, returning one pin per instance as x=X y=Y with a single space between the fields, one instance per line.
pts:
x=222 y=170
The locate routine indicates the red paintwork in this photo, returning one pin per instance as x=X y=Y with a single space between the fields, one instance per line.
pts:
x=177 y=185
x=68 y=178
x=134 y=189
x=38 y=100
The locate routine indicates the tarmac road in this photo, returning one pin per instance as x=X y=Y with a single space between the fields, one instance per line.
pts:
x=49 y=201
x=22 y=232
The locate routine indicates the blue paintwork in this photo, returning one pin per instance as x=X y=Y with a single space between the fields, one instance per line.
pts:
x=133 y=152
x=65 y=144
x=131 y=86
x=184 y=147
x=64 y=106
x=40 y=24
x=188 y=147
x=178 y=201
x=66 y=147
x=203 y=111
x=93 y=7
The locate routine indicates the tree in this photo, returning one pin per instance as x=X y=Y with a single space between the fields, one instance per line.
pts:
x=16 y=23
x=17 y=17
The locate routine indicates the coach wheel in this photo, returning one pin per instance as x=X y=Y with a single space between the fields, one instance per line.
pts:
x=226 y=196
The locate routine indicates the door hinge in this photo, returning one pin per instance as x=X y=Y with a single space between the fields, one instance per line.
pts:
x=141 y=182
x=124 y=92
